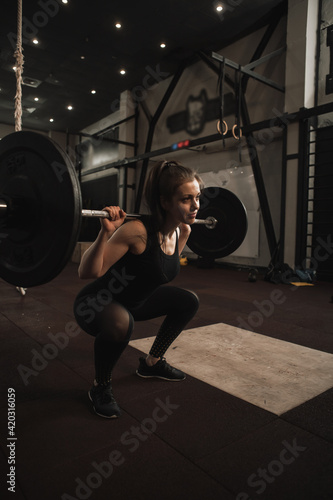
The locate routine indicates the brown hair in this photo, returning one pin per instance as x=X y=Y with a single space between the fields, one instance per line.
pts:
x=162 y=181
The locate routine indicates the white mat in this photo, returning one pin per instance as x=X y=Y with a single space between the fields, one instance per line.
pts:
x=269 y=373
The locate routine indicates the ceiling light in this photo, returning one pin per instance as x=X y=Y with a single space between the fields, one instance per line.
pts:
x=64 y=1
x=35 y=41
x=219 y=8
x=122 y=72
x=83 y=57
x=51 y=120
x=162 y=45
x=93 y=91
x=14 y=68
x=70 y=107
x=118 y=26
x=30 y=82
x=36 y=99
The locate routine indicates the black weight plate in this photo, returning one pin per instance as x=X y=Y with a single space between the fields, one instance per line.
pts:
x=39 y=235
x=230 y=230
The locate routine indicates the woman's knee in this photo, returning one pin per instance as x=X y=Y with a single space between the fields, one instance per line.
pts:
x=117 y=323
x=191 y=300
x=85 y=317
x=113 y=321
x=122 y=330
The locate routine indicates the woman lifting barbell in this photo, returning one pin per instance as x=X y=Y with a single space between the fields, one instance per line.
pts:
x=132 y=264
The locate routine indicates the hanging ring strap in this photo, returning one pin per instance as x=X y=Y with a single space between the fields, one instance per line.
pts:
x=237 y=137
x=224 y=124
x=221 y=121
x=238 y=90
x=237 y=72
x=239 y=102
x=239 y=96
x=19 y=70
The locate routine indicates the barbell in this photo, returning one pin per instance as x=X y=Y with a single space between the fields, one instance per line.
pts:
x=209 y=222
x=41 y=212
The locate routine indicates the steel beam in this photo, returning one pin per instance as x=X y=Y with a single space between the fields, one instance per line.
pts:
x=249 y=72
x=151 y=130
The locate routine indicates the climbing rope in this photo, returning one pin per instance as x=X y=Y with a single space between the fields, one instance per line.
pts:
x=19 y=70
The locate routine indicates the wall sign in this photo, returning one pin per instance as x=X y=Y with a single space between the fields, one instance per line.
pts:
x=198 y=111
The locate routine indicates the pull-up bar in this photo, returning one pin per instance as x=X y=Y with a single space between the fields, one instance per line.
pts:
x=247 y=68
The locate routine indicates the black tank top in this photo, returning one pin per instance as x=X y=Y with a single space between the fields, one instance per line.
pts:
x=133 y=278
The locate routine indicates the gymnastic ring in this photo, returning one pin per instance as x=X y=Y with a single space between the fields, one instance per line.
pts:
x=233 y=132
x=218 y=126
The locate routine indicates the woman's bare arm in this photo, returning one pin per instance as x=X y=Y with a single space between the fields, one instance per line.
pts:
x=111 y=245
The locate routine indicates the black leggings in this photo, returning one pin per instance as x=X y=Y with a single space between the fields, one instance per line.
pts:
x=112 y=324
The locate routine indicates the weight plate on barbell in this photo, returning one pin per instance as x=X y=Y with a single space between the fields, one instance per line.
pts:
x=230 y=230
x=39 y=235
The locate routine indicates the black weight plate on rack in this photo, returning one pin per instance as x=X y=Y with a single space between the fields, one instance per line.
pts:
x=39 y=182
x=230 y=230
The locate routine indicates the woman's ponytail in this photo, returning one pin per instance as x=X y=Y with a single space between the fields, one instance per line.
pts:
x=163 y=179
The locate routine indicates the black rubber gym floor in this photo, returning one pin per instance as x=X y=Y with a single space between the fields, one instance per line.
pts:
x=186 y=440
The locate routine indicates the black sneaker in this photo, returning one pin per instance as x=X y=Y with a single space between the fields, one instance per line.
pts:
x=103 y=401
x=161 y=369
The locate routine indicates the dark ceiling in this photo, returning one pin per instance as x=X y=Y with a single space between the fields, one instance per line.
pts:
x=80 y=49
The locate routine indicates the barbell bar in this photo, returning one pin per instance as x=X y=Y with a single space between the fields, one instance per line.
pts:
x=5 y=211
x=210 y=222
x=41 y=212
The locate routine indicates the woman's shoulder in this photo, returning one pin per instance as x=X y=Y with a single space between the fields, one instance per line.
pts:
x=135 y=233
x=134 y=224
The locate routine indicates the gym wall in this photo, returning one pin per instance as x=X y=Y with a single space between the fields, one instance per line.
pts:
x=225 y=165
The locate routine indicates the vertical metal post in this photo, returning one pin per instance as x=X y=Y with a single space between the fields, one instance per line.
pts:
x=280 y=256
x=151 y=130
x=302 y=192
x=258 y=177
